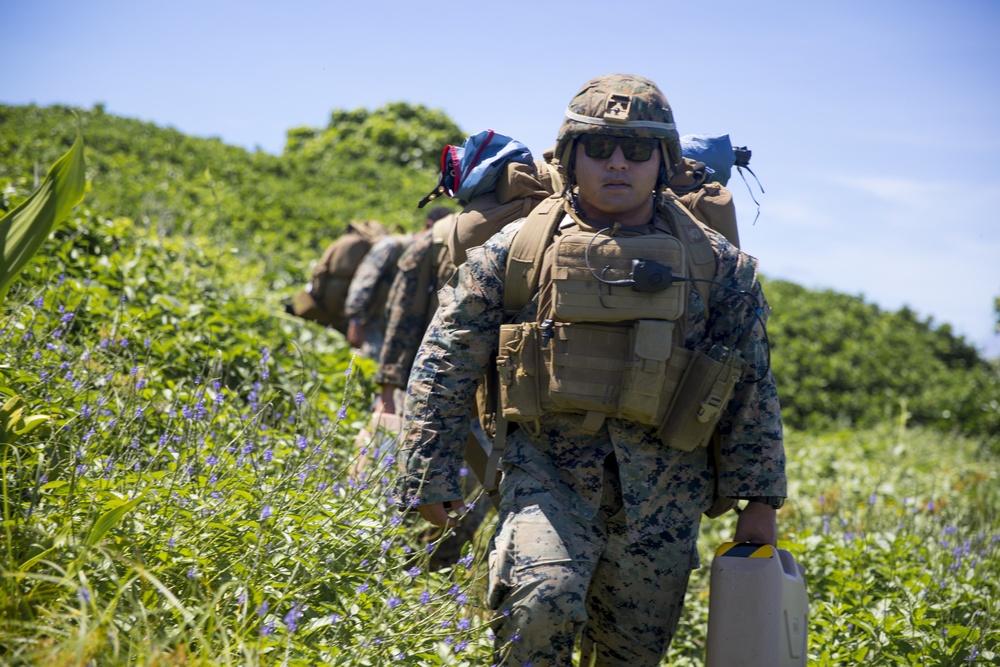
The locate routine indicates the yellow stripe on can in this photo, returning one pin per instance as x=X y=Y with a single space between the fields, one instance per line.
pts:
x=745 y=550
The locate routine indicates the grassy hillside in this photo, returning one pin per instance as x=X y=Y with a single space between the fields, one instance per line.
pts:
x=176 y=452
x=288 y=207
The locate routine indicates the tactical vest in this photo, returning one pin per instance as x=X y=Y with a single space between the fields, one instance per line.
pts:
x=604 y=343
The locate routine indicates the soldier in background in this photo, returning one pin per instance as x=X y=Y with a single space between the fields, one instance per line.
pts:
x=367 y=297
x=600 y=507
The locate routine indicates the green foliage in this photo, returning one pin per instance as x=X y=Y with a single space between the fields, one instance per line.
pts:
x=24 y=229
x=398 y=133
x=899 y=532
x=174 y=466
x=286 y=208
x=839 y=360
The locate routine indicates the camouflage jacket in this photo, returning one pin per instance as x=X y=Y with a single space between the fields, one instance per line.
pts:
x=377 y=269
x=406 y=314
x=662 y=488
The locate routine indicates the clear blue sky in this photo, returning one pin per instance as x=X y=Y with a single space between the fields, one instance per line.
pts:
x=873 y=124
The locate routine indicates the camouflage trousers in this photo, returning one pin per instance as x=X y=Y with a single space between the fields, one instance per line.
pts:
x=374 y=338
x=554 y=576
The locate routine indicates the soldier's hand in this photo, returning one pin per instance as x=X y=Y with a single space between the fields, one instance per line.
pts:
x=388 y=399
x=443 y=514
x=355 y=332
x=758 y=523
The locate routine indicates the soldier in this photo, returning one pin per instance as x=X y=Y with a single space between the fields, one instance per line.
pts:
x=406 y=318
x=606 y=476
x=366 y=303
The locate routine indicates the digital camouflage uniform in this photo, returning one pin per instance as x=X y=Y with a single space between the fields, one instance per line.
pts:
x=407 y=319
x=598 y=530
x=406 y=313
x=369 y=286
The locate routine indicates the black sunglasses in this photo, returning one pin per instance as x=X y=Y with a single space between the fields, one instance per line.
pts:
x=601 y=146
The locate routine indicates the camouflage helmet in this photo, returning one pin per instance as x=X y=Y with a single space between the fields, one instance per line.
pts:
x=620 y=105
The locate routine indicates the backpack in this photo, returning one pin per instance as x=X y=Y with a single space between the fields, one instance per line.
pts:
x=323 y=301
x=498 y=181
x=472 y=169
x=517 y=189
x=700 y=183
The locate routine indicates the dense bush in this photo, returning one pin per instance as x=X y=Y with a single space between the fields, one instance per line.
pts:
x=839 y=360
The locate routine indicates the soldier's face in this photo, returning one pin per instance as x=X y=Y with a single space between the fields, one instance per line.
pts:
x=615 y=189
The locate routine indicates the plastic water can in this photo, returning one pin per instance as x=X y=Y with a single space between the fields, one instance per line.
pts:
x=758 y=609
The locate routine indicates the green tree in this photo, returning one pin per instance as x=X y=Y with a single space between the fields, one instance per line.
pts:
x=840 y=360
x=996 y=311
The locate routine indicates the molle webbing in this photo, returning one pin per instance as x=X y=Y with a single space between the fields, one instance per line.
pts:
x=583 y=259
x=629 y=370
x=585 y=364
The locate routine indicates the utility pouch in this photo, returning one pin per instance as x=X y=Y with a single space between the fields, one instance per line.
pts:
x=701 y=397
x=518 y=372
x=650 y=376
x=585 y=364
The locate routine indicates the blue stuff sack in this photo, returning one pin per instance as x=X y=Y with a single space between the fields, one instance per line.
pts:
x=472 y=169
x=715 y=151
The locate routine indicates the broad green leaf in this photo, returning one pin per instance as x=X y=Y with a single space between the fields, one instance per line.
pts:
x=32 y=422
x=25 y=229
x=109 y=520
x=31 y=562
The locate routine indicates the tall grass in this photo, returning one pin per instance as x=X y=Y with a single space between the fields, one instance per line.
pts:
x=168 y=504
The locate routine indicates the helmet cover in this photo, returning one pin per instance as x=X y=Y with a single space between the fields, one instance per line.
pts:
x=622 y=105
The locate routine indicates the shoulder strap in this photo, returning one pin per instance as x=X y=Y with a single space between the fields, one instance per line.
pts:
x=526 y=251
x=701 y=256
x=441 y=232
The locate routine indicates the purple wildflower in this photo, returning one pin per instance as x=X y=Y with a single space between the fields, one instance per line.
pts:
x=293 y=616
